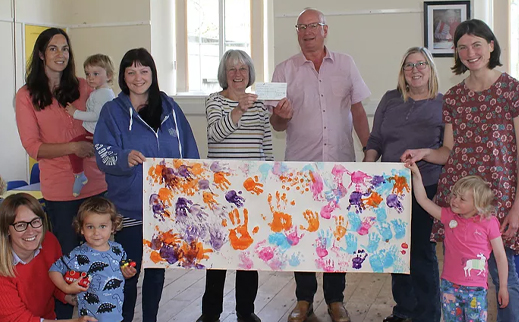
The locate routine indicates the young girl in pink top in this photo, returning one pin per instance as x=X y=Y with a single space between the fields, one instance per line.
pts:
x=471 y=234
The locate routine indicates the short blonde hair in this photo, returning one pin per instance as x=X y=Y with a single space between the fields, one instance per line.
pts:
x=103 y=61
x=434 y=82
x=481 y=191
x=97 y=205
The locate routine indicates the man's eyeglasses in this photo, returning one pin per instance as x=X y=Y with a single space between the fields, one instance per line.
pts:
x=311 y=26
x=419 y=65
x=22 y=225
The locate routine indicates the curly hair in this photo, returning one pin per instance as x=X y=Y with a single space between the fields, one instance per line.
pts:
x=97 y=205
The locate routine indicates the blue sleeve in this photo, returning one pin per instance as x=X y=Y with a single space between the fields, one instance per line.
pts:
x=189 y=147
x=59 y=266
x=110 y=156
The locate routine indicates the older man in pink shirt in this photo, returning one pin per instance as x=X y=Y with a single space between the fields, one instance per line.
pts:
x=322 y=107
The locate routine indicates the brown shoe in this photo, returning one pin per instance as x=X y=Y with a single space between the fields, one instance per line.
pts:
x=338 y=312
x=301 y=312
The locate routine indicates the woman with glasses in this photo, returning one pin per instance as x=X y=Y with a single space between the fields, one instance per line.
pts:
x=409 y=117
x=238 y=127
x=27 y=251
x=481 y=116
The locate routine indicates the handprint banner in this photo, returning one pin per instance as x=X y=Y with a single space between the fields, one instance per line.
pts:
x=280 y=216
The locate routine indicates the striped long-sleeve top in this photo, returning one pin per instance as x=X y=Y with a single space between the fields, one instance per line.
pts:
x=250 y=139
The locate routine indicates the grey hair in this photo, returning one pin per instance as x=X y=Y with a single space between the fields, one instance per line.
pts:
x=321 y=15
x=233 y=57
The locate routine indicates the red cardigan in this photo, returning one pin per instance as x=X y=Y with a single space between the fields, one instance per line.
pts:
x=29 y=296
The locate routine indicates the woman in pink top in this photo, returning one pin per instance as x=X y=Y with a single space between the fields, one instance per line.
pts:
x=46 y=128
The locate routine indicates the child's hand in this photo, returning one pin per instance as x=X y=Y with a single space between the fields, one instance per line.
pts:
x=128 y=271
x=70 y=109
x=75 y=288
x=502 y=297
x=413 y=167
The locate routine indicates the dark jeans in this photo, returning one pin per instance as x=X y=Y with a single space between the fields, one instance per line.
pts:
x=417 y=295
x=246 y=290
x=61 y=214
x=131 y=240
x=333 y=286
x=511 y=312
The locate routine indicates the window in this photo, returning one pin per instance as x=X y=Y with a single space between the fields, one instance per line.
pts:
x=514 y=38
x=213 y=27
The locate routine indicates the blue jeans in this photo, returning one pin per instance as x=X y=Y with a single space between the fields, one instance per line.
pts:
x=131 y=240
x=61 y=214
x=511 y=312
x=417 y=295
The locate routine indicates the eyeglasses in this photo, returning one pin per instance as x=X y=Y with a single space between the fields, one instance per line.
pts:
x=22 y=225
x=311 y=26
x=419 y=65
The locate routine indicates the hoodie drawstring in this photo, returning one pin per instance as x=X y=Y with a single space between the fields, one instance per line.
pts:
x=131 y=119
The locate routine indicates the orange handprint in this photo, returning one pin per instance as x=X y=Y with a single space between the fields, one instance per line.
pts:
x=281 y=221
x=313 y=220
x=253 y=186
x=340 y=230
x=400 y=184
x=239 y=236
x=221 y=181
x=209 y=199
x=373 y=200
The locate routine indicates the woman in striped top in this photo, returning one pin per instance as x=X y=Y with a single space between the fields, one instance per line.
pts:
x=238 y=127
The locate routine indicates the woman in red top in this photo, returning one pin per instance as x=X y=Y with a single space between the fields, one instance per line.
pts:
x=27 y=251
x=46 y=130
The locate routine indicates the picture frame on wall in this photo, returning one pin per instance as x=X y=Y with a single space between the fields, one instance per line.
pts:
x=440 y=21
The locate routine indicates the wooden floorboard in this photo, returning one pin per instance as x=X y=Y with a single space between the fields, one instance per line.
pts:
x=367 y=297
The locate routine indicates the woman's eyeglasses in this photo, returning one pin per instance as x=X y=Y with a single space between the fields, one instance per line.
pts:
x=419 y=65
x=22 y=225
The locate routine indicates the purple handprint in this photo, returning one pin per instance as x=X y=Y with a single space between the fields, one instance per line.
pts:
x=393 y=201
x=360 y=257
x=233 y=197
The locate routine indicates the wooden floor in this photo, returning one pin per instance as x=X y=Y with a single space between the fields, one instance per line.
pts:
x=367 y=297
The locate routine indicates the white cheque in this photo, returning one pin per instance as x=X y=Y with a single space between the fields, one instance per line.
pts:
x=271 y=91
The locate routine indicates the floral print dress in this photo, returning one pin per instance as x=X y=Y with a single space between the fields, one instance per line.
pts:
x=484 y=144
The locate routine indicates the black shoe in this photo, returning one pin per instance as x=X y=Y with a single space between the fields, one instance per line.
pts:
x=208 y=318
x=393 y=318
x=248 y=318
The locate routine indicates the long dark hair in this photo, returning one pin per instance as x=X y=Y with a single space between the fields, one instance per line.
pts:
x=153 y=110
x=38 y=82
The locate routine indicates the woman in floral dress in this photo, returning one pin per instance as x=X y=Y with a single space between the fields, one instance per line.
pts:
x=481 y=114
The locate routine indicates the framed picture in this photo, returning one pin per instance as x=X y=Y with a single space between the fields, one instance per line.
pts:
x=440 y=21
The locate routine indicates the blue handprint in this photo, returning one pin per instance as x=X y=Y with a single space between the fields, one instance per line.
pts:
x=354 y=220
x=376 y=261
x=399 y=227
x=351 y=244
x=325 y=238
x=390 y=257
x=373 y=241
x=381 y=213
x=385 y=230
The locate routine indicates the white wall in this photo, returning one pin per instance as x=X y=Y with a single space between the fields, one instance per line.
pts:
x=376 y=42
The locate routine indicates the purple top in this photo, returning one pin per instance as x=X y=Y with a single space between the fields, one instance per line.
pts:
x=400 y=125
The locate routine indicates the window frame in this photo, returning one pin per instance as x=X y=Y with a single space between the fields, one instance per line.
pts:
x=256 y=45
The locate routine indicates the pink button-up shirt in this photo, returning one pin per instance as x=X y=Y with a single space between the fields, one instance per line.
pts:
x=54 y=125
x=322 y=125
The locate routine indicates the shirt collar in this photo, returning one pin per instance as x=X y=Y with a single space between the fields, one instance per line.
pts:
x=301 y=59
x=17 y=260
